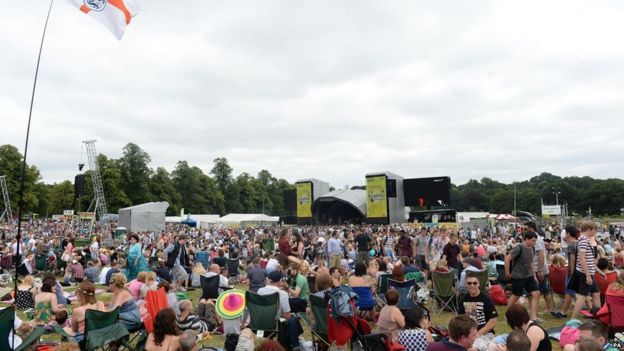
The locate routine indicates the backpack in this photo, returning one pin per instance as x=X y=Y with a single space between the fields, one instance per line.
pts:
x=339 y=303
x=498 y=295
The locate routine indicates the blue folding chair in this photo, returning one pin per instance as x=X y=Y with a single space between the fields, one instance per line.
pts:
x=407 y=291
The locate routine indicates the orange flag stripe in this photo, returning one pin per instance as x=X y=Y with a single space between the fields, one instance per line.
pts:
x=84 y=8
x=122 y=7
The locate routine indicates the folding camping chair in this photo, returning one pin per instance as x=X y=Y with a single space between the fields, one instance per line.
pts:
x=483 y=279
x=203 y=258
x=311 y=283
x=209 y=286
x=615 y=304
x=500 y=272
x=366 y=301
x=382 y=287
x=233 y=265
x=318 y=305
x=264 y=312
x=556 y=276
x=444 y=291
x=103 y=329
x=418 y=276
x=7 y=318
x=407 y=291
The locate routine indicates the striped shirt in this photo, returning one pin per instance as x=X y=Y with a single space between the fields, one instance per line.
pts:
x=584 y=246
x=192 y=322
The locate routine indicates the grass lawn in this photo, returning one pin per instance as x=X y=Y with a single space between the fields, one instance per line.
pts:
x=443 y=318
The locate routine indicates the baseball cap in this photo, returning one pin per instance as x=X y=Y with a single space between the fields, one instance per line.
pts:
x=275 y=276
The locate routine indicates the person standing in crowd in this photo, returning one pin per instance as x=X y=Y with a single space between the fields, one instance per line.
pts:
x=136 y=261
x=363 y=240
x=462 y=334
x=450 y=253
x=583 y=282
x=479 y=307
x=389 y=243
x=284 y=242
x=572 y=234
x=406 y=245
x=334 y=250
x=540 y=262
x=422 y=250
x=437 y=245
x=177 y=261
x=522 y=273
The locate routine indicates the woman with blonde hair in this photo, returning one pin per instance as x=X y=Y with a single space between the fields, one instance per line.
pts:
x=150 y=284
x=87 y=301
x=136 y=285
x=198 y=271
x=25 y=293
x=129 y=313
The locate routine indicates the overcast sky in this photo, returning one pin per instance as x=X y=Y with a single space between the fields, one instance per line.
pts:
x=324 y=89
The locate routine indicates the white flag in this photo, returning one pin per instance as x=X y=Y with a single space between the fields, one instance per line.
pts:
x=114 y=14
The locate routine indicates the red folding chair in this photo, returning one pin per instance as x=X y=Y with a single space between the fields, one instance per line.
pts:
x=616 y=318
x=557 y=276
x=155 y=300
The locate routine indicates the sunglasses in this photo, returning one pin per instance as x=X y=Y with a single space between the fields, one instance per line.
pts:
x=472 y=283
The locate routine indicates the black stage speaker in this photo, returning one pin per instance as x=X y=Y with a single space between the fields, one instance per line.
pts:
x=391 y=187
x=290 y=202
x=79 y=185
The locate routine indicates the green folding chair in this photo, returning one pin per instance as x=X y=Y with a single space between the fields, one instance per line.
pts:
x=444 y=292
x=318 y=305
x=483 y=279
x=264 y=312
x=7 y=317
x=103 y=329
x=418 y=276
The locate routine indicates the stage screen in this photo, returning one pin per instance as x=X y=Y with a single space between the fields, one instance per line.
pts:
x=377 y=197
x=427 y=192
x=304 y=200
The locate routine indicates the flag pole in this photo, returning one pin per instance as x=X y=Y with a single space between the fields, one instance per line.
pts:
x=18 y=237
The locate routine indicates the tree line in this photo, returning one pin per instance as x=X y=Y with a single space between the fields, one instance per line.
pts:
x=130 y=180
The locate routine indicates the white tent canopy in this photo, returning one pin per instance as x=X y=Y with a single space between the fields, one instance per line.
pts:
x=203 y=220
x=248 y=219
x=147 y=217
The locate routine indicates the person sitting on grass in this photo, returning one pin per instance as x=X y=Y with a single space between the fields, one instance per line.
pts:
x=166 y=333
x=189 y=321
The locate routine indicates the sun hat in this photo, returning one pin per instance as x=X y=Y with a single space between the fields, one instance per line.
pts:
x=231 y=304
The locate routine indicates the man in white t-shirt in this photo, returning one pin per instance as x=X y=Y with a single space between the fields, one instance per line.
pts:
x=275 y=284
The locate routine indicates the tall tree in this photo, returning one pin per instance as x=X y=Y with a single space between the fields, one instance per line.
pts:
x=135 y=174
x=163 y=189
x=222 y=173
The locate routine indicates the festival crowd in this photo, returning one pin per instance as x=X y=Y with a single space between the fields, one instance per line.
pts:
x=515 y=265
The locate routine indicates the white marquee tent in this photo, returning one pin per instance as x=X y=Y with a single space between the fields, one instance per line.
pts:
x=244 y=219
x=147 y=217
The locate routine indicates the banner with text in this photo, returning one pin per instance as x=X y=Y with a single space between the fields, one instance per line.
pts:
x=377 y=197
x=551 y=210
x=304 y=200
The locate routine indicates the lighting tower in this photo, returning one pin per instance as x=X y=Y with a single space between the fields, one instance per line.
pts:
x=8 y=213
x=98 y=187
